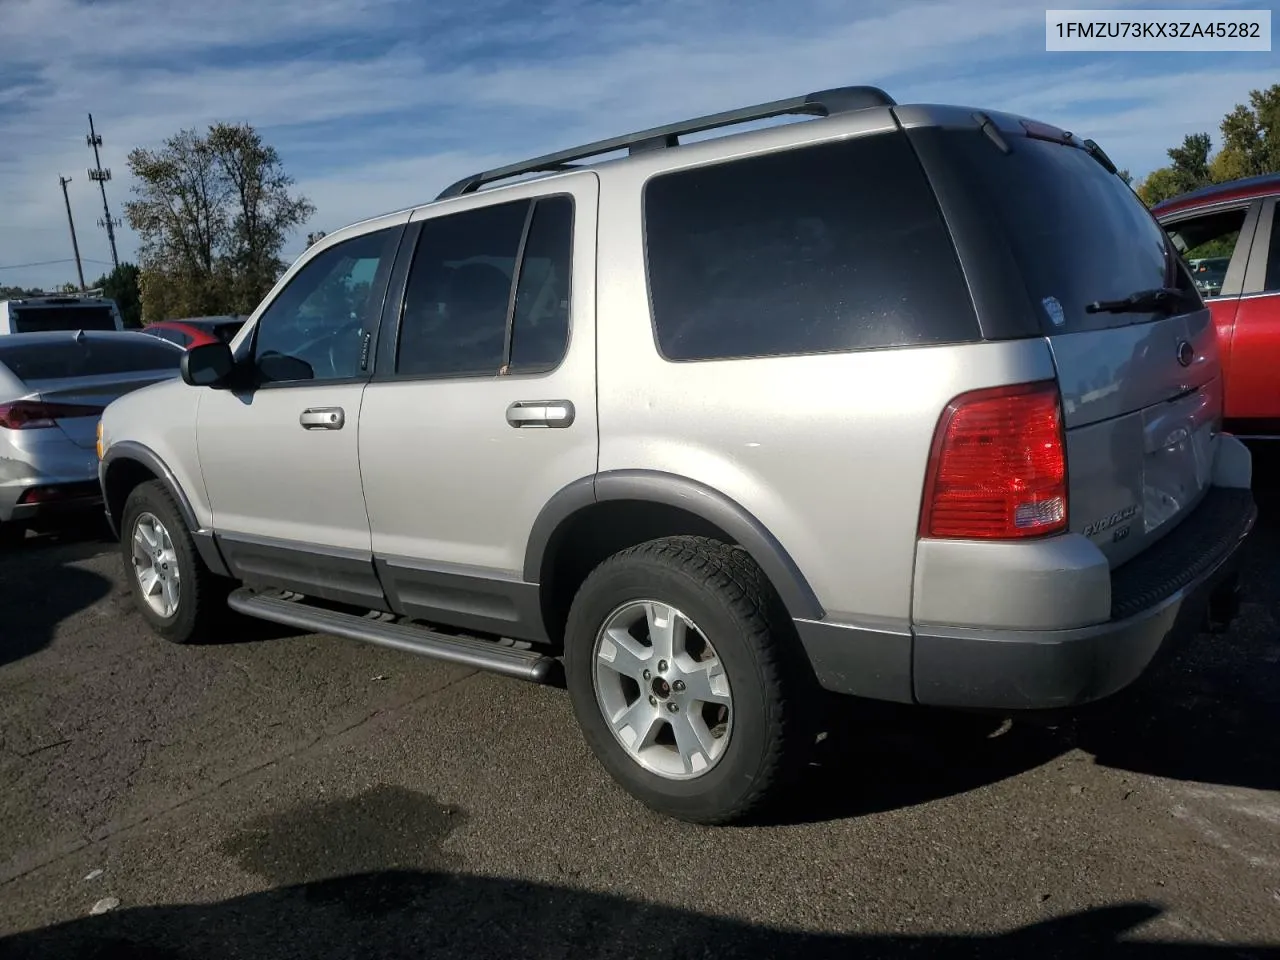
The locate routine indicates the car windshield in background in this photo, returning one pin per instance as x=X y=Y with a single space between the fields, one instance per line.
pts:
x=96 y=357
x=1078 y=233
x=44 y=319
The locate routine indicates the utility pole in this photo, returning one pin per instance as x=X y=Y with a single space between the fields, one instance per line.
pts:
x=72 y=224
x=102 y=176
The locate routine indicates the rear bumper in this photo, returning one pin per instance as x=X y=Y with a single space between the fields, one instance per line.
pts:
x=62 y=497
x=46 y=476
x=1159 y=598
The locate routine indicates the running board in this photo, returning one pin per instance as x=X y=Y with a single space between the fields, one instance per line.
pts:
x=467 y=651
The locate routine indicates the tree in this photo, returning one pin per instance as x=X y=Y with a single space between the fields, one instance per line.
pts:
x=263 y=213
x=122 y=286
x=314 y=237
x=212 y=213
x=1250 y=146
x=1251 y=136
x=1159 y=185
x=18 y=293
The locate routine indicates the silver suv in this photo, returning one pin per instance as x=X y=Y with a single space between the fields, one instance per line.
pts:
x=913 y=403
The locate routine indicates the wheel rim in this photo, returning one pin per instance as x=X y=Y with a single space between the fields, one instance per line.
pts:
x=662 y=690
x=155 y=565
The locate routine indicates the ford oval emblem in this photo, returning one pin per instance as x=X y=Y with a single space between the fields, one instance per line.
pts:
x=1186 y=353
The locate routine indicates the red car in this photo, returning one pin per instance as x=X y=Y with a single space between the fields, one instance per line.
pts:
x=193 y=331
x=1230 y=232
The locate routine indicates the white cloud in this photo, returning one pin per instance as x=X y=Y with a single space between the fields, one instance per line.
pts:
x=377 y=104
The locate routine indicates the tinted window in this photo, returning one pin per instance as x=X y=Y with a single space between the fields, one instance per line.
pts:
x=41 y=319
x=540 y=326
x=226 y=332
x=90 y=358
x=1272 y=282
x=459 y=292
x=828 y=248
x=314 y=329
x=1077 y=233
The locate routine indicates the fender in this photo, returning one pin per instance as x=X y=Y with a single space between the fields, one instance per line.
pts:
x=140 y=453
x=685 y=494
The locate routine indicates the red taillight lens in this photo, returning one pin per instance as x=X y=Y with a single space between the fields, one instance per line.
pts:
x=998 y=467
x=29 y=414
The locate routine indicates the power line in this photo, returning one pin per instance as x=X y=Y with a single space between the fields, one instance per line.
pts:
x=46 y=263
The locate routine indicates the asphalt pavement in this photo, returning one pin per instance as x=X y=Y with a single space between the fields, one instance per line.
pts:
x=278 y=795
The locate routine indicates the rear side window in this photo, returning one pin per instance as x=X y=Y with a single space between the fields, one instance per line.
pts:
x=1077 y=232
x=828 y=248
x=460 y=317
x=42 y=319
x=91 y=358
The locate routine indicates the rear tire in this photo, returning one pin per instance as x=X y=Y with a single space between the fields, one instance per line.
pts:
x=12 y=535
x=753 y=679
x=154 y=539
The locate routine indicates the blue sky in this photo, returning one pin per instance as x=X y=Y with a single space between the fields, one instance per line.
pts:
x=377 y=104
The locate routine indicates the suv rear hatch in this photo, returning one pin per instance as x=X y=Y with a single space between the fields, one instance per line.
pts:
x=68 y=314
x=1140 y=383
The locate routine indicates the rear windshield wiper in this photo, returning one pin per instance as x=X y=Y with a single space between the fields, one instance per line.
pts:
x=1164 y=299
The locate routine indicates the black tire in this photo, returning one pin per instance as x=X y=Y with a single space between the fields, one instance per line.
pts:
x=722 y=590
x=202 y=596
x=12 y=535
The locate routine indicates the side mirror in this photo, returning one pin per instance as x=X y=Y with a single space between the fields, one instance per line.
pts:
x=207 y=365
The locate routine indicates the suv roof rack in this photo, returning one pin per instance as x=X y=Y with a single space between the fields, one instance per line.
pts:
x=823 y=103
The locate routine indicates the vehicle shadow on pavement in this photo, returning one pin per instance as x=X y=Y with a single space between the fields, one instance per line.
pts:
x=441 y=915
x=1210 y=714
x=39 y=588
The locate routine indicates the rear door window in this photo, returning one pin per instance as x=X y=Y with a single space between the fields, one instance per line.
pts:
x=827 y=248
x=90 y=358
x=1077 y=232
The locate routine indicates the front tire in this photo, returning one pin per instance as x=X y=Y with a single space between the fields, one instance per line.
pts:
x=684 y=673
x=178 y=596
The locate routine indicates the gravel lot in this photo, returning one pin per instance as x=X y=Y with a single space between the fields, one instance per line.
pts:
x=280 y=796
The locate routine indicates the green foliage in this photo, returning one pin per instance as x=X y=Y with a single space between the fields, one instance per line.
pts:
x=122 y=286
x=212 y=213
x=1250 y=146
x=18 y=293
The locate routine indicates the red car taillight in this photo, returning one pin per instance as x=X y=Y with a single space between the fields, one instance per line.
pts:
x=30 y=414
x=998 y=469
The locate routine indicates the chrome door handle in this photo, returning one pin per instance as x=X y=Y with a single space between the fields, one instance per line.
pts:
x=540 y=413
x=323 y=418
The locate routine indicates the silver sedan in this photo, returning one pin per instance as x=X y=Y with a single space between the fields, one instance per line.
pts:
x=53 y=388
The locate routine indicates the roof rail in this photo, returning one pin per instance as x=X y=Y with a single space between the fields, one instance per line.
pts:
x=823 y=103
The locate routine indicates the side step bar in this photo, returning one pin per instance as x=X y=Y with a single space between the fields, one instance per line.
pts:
x=468 y=651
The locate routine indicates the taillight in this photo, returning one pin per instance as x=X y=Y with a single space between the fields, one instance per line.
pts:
x=30 y=414
x=998 y=467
